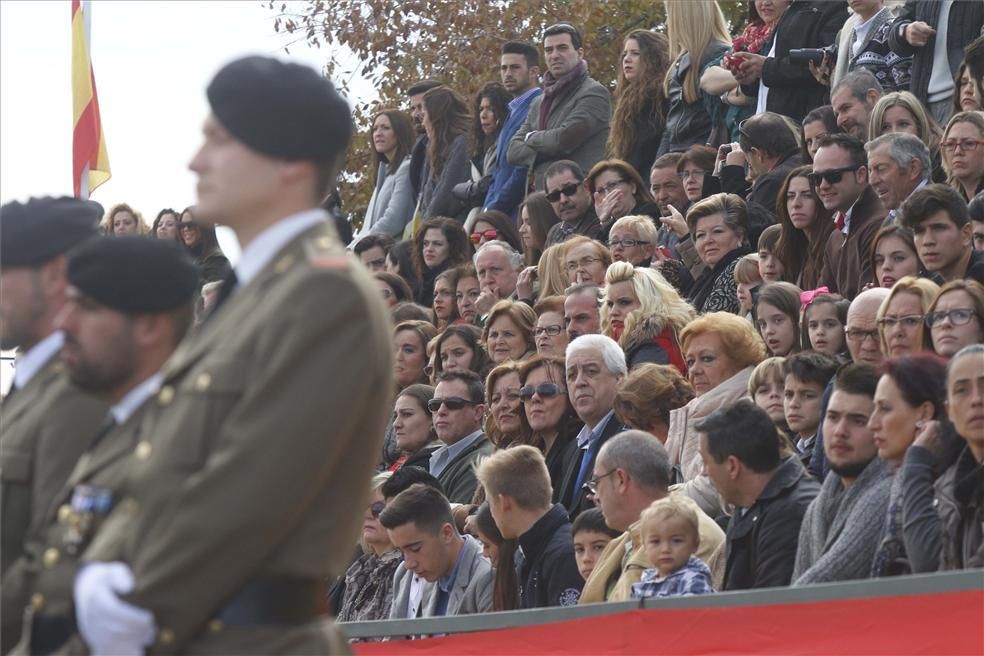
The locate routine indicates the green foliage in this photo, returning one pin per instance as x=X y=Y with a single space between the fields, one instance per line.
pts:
x=455 y=41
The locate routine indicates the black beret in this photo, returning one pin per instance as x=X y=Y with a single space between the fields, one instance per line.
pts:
x=32 y=233
x=281 y=110
x=134 y=274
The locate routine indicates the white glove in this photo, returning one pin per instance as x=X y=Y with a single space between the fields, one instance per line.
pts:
x=108 y=624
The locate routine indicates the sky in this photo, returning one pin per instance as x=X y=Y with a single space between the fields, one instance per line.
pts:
x=152 y=62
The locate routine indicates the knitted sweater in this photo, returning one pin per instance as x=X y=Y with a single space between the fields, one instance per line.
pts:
x=841 y=528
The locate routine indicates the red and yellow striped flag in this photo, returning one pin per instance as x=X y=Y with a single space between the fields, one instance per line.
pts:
x=90 y=163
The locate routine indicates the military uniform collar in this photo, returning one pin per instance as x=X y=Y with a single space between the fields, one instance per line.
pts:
x=268 y=243
x=34 y=360
x=134 y=398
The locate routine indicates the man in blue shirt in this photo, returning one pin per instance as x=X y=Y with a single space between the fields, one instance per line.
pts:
x=520 y=71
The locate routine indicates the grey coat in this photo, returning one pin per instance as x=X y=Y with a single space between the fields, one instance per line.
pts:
x=391 y=206
x=841 y=528
x=472 y=591
x=436 y=199
x=577 y=129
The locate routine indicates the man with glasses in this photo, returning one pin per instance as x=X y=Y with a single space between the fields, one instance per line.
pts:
x=944 y=236
x=840 y=177
x=571 y=201
x=457 y=411
x=631 y=472
x=595 y=364
x=570 y=120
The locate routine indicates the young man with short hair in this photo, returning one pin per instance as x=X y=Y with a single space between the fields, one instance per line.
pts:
x=372 y=251
x=517 y=486
x=443 y=572
x=570 y=120
x=944 y=236
x=843 y=524
x=519 y=70
x=807 y=376
x=740 y=448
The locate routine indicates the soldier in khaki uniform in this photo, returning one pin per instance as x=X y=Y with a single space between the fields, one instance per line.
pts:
x=45 y=421
x=248 y=482
x=130 y=301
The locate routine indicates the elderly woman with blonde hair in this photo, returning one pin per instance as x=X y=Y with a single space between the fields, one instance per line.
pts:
x=508 y=332
x=644 y=314
x=720 y=350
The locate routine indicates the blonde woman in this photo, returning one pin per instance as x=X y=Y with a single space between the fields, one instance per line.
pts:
x=123 y=220
x=644 y=314
x=900 y=111
x=552 y=272
x=698 y=35
x=901 y=317
x=963 y=153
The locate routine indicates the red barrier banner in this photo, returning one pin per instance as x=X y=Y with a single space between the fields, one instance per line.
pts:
x=949 y=623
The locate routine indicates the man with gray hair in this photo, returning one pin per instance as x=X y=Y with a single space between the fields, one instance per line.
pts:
x=631 y=472
x=582 y=310
x=498 y=265
x=898 y=164
x=595 y=365
x=853 y=100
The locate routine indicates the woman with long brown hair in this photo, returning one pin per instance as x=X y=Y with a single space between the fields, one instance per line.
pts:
x=640 y=113
x=806 y=227
x=391 y=205
x=536 y=217
x=447 y=122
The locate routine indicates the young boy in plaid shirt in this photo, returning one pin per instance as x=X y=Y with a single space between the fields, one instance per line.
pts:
x=670 y=537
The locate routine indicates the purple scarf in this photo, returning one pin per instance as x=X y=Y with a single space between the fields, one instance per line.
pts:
x=556 y=89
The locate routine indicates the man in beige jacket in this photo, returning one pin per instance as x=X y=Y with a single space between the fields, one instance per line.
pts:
x=631 y=472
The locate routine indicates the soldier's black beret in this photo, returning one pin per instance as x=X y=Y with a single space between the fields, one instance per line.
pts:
x=32 y=233
x=134 y=274
x=281 y=110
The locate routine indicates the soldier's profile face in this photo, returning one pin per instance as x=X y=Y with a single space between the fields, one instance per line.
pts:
x=22 y=303
x=99 y=353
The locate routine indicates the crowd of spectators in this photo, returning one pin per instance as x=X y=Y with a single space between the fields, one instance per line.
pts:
x=713 y=325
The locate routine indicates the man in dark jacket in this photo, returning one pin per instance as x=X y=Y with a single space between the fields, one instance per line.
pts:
x=840 y=174
x=934 y=33
x=791 y=89
x=770 y=149
x=740 y=448
x=943 y=234
x=517 y=486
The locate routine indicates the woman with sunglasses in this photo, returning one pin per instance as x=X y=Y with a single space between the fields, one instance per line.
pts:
x=963 y=153
x=492 y=225
x=548 y=413
x=203 y=245
x=901 y=317
x=618 y=191
x=644 y=314
x=508 y=333
x=369 y=580
x=956 y=317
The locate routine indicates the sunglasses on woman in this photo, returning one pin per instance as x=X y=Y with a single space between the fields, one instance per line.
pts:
x=452 y=403
x=545 y=390
x=376 y=509
x=488 y=235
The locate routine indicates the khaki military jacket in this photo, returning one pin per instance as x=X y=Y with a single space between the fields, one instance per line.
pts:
x=44 y=428
x=255 y=456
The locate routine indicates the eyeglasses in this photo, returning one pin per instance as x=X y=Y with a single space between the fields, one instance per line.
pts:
x=696 y=175
x=452 y=403
x=626 y=243
x=376 y=509
x=858 y=335
x=591 y=485
x=568 y=190
x=966 y=145
x=908 y=322
x=604 y=191
x=551 y=331
x=956 y=317
x=545 y=390
x=833 y=176
x=487 y=234
x=186 y=226
x=583 y=263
